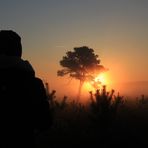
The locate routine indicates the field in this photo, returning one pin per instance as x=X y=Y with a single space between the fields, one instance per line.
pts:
x=107 y=120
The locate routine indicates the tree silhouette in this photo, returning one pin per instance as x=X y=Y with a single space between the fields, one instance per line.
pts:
x=82 y=64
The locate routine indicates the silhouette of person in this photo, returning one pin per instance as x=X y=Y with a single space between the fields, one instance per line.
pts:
x=24 y=107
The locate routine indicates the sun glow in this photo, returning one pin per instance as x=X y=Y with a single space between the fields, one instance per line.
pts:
x=97 y=83
x=101 y=79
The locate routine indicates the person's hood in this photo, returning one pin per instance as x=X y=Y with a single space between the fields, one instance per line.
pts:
x=7 y=62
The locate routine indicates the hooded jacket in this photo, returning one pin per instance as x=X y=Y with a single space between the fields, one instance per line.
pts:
x=16 y=63
x=23 y=102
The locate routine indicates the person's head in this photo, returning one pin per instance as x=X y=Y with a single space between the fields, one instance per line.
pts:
x=10 y=43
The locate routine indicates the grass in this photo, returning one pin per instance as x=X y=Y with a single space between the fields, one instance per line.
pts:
x=108 y=120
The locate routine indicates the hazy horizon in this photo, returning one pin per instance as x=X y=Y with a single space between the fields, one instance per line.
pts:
x=115 y=29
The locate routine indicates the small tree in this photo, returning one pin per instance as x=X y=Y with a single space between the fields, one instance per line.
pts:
x=82 y=64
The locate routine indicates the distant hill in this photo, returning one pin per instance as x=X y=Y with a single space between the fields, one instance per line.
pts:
x=135 y=88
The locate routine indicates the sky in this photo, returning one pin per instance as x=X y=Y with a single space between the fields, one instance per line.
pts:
x=117 y=30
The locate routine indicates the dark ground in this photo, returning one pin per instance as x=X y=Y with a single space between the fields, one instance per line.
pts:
x=76 y=125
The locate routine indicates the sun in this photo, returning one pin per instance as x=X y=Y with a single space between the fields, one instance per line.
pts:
x=101 y=79
x=97 y=82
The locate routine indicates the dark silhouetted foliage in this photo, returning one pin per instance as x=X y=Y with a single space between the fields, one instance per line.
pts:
x=82 y=64
x=108 y=120
x=104 y=106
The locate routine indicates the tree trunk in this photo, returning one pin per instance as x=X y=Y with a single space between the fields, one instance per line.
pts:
x=80 y=89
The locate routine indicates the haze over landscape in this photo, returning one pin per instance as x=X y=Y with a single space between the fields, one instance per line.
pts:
x=115 y=29
x=91 y=60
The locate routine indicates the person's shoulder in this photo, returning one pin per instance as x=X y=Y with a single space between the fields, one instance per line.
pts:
x=38 y=80
x=39 y=83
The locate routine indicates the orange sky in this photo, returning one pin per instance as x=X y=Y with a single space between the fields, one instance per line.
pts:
x=116 y=30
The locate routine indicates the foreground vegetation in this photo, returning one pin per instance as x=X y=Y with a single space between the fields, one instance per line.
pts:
x=108 y=120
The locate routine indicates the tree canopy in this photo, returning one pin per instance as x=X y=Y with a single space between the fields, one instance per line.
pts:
x=82 y=64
